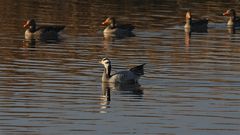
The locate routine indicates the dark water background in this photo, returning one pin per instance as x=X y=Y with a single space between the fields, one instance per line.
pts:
x=191 y=84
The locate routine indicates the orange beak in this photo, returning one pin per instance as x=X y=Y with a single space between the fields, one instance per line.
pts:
x=226 y=13
x=26 y=24
x=106 y=22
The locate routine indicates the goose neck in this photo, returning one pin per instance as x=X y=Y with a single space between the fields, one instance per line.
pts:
x=106 y=73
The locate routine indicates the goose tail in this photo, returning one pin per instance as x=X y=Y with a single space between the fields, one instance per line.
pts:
x=138 y=70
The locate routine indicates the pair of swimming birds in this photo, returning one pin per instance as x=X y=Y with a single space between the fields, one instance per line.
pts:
x=201 y=24
x=50 y=32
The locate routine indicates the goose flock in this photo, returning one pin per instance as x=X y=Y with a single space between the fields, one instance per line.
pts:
x=131 y=76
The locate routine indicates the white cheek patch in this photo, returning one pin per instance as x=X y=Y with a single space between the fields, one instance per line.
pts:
x=106 y=62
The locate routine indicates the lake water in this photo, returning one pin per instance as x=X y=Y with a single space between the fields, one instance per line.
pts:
x=191 y=83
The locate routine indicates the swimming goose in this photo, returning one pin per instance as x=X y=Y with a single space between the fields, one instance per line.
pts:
x=233 y=21
x=195 y=25
x=129 y=76
x=45 y=32
x=117 y=29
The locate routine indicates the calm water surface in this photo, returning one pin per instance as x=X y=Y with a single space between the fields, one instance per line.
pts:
x=191 y=83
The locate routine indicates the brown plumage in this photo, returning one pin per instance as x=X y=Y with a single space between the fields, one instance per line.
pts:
x=114 y=28
x=195 y=25
x=43 y=32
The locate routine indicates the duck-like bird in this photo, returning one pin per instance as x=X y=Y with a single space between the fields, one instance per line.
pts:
x=113 y=28
x=195 y=25
x=233 y=20
x=44 y=32
x=129 y=76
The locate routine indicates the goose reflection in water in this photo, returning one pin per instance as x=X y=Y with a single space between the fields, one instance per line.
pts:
x=233 y=34
x=105 y=99
x=108 y=88
x=106 y=92
x=113 y=37
x=29 y=43
x=134 y=89
x=231 y=30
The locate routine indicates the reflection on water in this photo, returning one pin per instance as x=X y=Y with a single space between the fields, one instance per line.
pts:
x=190 y=86
x=187 y=39
x=231 y=30
x=106 y=98
x=124 y=88
x=112 y=37
x=106 y=91
x=29 y=44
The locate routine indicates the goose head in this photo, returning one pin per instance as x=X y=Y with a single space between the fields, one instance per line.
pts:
x=107 y=67
x=232 y=16
x=30 y=24
x=188 y=19
x=188 y=15
x=230 y=12
x=110 y=21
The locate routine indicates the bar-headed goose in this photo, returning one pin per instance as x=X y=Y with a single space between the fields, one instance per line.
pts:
x=129 y=76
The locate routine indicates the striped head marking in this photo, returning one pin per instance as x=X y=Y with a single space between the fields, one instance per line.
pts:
x=107 y=66
x=106 y=62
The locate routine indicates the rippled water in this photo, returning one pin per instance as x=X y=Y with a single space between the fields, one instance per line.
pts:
x=191 y=83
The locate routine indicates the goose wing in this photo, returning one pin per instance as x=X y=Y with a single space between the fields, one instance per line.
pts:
x=129 y=27
x=124 y=77
x=55 y=28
